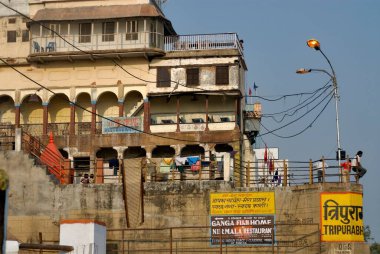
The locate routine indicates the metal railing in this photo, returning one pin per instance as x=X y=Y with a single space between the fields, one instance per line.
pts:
x=287 y=238
x=115 y=41
x=203 y=42
x=122 y=41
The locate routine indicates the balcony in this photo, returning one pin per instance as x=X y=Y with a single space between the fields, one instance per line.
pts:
x=203 y=42
x=116 y=43
x=49 y=47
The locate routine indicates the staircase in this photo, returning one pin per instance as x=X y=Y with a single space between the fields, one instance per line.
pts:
x=136 y=108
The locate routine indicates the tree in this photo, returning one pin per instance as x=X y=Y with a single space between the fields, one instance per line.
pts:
x=375 y=248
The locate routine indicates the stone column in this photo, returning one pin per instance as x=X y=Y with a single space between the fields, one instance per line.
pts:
x=146 y=115
x=206 y=113
x=17 y=116
x=121 y=108
x=178 y=129
x=45 y=117
x=72 y=119
x=93 y=117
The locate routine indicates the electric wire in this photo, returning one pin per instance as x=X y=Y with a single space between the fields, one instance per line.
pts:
x=302 y=131
x=117 y=64
x=324 y=88
x=296 y=110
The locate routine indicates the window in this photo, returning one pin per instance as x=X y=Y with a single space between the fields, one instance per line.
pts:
x=84 y=32
x=132 y=30
x=163 y=77
x=11 y=36
x=108 y=31
x=53 y=28
x=12 y=21
x=192 y=77
x=222 y=77
x=153 y=34
x=25 y=35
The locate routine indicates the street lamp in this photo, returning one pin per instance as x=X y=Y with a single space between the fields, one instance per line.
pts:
x=313 y=43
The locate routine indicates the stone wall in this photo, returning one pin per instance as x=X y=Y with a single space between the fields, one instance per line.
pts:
x=37 y=204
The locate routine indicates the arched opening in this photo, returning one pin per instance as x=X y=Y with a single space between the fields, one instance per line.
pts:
x=107 y=105
x=64 y=153
x=133 y=104
x=192 y=150
x=7 y=110
x=134 y=152
x=110 y=162
x=31 y=110
x=223 y=148
x=59 y=114
x=82 y=115
x=163 y=152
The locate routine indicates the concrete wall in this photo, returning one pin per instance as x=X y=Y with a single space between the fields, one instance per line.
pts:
x=37 y=204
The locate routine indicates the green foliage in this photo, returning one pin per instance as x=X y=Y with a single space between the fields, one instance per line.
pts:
x=367 y=234
x=375 y=248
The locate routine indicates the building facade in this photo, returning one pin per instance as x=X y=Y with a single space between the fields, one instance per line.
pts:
x=116 y=81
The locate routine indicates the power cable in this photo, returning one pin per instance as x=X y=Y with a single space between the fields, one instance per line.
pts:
x=324 y=88
x=117 y=64
x=296 y=110
x=299 y=133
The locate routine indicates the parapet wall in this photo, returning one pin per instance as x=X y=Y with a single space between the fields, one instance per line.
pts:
x=38 y=204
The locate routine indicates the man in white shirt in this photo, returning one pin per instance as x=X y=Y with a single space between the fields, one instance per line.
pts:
x=357 y=166
x=320 y=165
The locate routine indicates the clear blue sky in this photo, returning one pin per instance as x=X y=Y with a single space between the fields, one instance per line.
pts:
x=275 y=34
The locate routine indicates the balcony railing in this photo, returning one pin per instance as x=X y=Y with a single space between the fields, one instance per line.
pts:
x=123 y=41
x=203 y=42
x=75 y=43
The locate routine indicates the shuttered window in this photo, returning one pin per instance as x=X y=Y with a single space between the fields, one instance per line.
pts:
x=222 y=77
x=192 y=77
x=163 y=77
x=11 y=36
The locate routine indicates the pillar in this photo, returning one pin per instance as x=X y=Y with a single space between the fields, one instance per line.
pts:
x=236 y=113
x=93 y=117
x=99 y=174
x=206 y=113
x=45 y=118
x=121 y=108
x=17 y=116
x=177 y=112
x=72 y=119
x=146 y=115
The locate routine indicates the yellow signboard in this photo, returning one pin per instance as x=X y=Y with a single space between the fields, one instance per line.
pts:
x=234 y=203
x=342 y=217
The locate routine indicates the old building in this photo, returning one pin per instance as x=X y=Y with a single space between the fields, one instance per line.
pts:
x=90 y=71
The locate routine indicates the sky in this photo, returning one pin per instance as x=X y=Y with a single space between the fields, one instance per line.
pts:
x=275 y=34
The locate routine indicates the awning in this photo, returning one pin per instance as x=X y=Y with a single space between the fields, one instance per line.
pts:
x=97 y=12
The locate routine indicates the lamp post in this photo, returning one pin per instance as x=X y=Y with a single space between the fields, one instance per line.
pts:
x=313 y=43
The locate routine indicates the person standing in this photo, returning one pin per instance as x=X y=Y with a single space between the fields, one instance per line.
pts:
x=357 y=165
x=346 y=169
x=320 y=166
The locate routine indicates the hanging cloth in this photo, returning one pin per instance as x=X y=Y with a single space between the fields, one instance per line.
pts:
x=192 y=160
x=196 y=166
x=167 y=161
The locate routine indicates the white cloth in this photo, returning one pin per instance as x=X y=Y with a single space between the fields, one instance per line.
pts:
x=319 y=165
x=355 y=161
x=180 y=161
